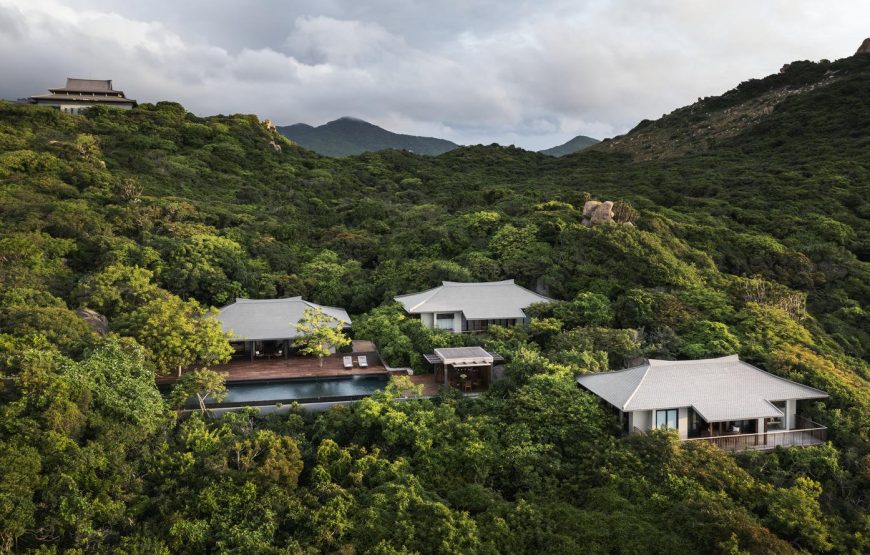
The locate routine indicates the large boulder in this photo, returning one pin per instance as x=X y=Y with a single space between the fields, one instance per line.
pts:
x=590 y=207
x=603 y=213
x=98 y=323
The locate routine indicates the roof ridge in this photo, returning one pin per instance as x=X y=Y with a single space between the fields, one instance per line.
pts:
x=478 y=283
x=663 y=362
x=434 y=293
x=243 y=300
x=785 y=379
x=637 y=387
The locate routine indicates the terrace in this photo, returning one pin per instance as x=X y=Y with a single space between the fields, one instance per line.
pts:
x=241 y=370
x=806 y=433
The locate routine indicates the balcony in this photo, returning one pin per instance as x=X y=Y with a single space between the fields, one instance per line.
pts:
x=806 y=434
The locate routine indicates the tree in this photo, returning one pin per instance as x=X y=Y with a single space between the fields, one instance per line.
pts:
x=177 y=334
x=319 y=333
x=201 y=383
x=708 y=339
x=384 y=326
x=403 y=386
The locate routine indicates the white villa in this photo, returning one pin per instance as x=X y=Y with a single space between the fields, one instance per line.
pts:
x=263 y=328
x=723 y=400
x=79 y=94
x=471 y=307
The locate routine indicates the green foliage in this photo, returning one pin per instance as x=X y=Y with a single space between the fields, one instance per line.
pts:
x=176 y=333
x=707 y=339
x=201 y=383
x=319 y=333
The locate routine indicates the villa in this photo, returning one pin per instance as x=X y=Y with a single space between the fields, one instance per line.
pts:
x=263 y=328
x=722 y=400
x=471 y=307
x=79 y=94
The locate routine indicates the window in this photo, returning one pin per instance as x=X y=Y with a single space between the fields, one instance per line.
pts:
x=444 y=321
x=666 y=419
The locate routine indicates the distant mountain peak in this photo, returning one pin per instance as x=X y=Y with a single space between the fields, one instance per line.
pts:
x=351 y=118
x=577 y=143
x=864 y=48
x=347 y=136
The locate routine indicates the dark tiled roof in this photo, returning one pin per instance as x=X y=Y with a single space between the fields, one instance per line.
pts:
x=89 y=85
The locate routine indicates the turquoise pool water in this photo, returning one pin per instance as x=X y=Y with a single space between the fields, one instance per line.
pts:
x=300 y=390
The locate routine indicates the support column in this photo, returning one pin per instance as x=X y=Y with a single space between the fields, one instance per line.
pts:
x=250 y=345
x=790 y=410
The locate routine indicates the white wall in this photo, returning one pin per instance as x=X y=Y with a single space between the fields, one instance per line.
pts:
x=640 y=419
x=683 y=422
x=76 y=107
x=428 y=319
x=790 y=410
x=644 y=420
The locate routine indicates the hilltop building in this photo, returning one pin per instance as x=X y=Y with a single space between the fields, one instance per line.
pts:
x=471 y=307
x=79 y=94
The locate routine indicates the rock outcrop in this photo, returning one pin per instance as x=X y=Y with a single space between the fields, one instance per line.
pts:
x=98 y=323
x=267 y=123
x=596 y=213
x=864 y=48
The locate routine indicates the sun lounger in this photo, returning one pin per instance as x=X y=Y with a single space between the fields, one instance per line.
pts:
x=362 y=361
x=348 y=363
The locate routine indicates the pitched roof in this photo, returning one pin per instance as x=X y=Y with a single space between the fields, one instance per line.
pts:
x=101 y=85
x=263 y=319
x=86 y=90
x=478 y=301
x=719 y=389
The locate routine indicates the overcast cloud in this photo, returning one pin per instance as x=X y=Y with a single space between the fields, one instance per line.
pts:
x=533 y=74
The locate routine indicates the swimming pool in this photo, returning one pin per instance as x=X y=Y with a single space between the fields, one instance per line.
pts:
x=304 y=390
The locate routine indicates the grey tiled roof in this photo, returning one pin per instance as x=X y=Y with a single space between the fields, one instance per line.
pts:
x=719 y=389
x=492 y=300
x=259 y=319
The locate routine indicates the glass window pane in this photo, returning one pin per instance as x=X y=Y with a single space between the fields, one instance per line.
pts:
x=672 y=419
x=661 y=418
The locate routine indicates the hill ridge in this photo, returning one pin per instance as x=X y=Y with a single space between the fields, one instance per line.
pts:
x=348 y=136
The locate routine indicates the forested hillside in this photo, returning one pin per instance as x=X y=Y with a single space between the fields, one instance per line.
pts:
x=753 y=241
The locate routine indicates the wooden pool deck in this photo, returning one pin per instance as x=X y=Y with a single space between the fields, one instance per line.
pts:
x=293 y=367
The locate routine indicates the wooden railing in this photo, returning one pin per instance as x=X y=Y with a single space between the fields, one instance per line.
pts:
x=810 y=433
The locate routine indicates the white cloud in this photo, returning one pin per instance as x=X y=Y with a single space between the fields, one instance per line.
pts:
x=509 y=71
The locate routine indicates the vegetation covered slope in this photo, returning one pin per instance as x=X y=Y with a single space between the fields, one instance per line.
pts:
x=349 y=136
x=576 y=144
x=755 y=243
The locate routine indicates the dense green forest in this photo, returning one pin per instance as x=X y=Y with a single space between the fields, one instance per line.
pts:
x=749 y=237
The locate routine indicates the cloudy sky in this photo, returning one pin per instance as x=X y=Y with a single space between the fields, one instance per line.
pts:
x=530 y=73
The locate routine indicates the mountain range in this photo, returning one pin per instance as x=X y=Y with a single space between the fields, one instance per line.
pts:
x=348 y=136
